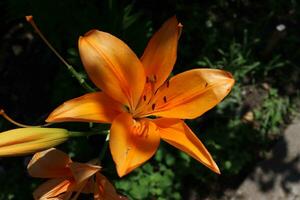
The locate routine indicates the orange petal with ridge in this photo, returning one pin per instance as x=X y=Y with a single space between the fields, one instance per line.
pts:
x=92 y=107
x=112 y=66
x=191 y=93
x=179 y=135
x=83 y=171
x=132 y=142
x=58 y=188
x=160 y=54
x=50 y=163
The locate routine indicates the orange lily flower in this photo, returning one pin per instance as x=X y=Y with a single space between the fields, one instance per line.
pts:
x=68 y=177
x=134 y=89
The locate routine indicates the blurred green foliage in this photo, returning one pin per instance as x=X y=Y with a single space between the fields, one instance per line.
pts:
x=240 y=36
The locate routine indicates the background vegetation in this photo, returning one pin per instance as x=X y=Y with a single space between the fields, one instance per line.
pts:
x=258 y=41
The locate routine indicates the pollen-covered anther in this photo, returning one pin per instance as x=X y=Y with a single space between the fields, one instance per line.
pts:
x=165 y=99
x=153 y=106
x=151 y=79
x=168 y=83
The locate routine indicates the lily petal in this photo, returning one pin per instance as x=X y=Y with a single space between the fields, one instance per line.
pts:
x=179 y=135
x=132 y=142
x=92 y=107
x=82 y=171
x=112 y=66
x=54 y=189
x=160 y=54
x=191 y=93
x=50 y=163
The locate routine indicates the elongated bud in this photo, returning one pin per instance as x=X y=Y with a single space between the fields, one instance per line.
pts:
x=24 y=141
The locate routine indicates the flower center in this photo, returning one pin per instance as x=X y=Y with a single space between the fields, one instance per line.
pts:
x=152 y=98
x=140 y=128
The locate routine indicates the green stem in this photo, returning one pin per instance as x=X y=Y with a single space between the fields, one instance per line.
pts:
x=79 y=78
x=103 y=151
x=87 y=134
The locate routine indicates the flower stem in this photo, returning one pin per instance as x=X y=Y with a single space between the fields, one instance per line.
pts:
x=87 y=134
x=103 y=150
x=69 y=67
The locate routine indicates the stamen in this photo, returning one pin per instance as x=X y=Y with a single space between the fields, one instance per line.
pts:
x=206 y=84
x=153 y=106
x=31 y=21
x=139 y=129
x=17 y=123
x=165 y=99
x=168 y=83
x=78 y=76
x=151 y=79
x=145 y=98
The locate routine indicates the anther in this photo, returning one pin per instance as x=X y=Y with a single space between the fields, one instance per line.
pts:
x=155 y=78
x=147 y=79
x=168 y=83
x=153 y=106
x=165 y=99
x=144 y=97
x=206 y=84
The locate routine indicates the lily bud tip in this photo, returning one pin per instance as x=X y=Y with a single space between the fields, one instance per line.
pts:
x=29 y=18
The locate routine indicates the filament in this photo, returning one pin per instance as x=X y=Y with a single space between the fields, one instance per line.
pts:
x=31 y=21
x=8 y=118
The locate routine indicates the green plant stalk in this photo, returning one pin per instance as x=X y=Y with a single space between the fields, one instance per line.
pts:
x=103 y=151
x=87 y=134
x=79 y=78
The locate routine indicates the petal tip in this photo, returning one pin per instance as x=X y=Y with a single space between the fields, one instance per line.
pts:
x=50 y=118
x=214 y=167
x=217 y=170
x=121 y=172
x=90 y=32
x=229 y=75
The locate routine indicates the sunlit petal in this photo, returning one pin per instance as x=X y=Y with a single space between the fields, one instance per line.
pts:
x=160 y=55
x=178 y=134
x=112 y=66
x=50 y=163
x=54 y=189
x=92 y=107
x=190 y=94
x=132 y=142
